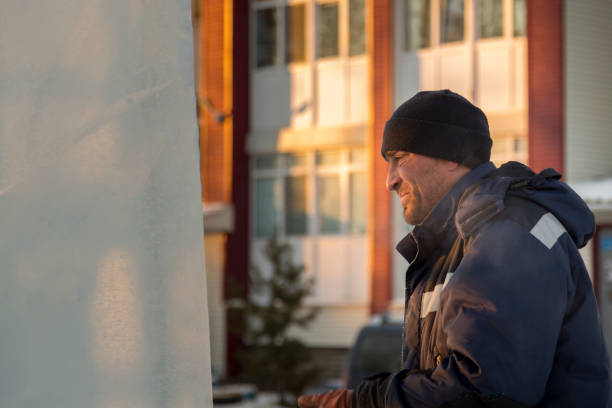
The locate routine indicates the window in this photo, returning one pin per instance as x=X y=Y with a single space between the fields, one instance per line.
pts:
x=328 y=191
x=295 y=33
x=295 y=199
x=416 y=17
x=358 y=194
x=520 y=18
x=284 y=184
x=327 y=158
x=356 y=27
x=451 y=20
x=266 y=162
x=265 y=23
x=490 y=18
x=282 y=30
x=327 y=30
x=266 y=206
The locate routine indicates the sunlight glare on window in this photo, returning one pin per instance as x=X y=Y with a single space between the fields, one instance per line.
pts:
x=295 y=33
x=295 y=205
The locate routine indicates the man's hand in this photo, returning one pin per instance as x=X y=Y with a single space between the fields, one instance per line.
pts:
x=331 y=399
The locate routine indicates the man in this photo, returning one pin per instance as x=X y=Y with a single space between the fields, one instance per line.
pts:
x=500 y=311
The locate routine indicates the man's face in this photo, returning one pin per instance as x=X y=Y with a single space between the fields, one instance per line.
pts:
x=419 y=181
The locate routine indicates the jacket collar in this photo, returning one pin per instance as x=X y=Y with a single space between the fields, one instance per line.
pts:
x=439 y=225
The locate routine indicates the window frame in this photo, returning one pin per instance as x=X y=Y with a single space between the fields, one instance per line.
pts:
x=311 y=171
x=348 y=29
x=311 y=25
x=340 y=33
x=465 y=25
x=285 y=35
x=478 y=18
x=430 y=14
x=471 y=25
x=281 y=32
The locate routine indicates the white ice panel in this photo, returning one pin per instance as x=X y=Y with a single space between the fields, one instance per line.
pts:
x=102 y=290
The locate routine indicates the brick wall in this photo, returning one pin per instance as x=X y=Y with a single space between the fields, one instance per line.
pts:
x=546 y=85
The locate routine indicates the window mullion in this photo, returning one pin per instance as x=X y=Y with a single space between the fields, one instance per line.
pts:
x=280 y=34
x=281 y=179
x=252 y=202
x=313 y=196
x=434 y=23
x=508 y=19
x=344 y=193
x=343 y=28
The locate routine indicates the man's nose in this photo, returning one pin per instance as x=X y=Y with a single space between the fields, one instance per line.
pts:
x=392 y=179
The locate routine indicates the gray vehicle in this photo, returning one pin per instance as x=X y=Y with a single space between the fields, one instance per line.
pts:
x=376 y=350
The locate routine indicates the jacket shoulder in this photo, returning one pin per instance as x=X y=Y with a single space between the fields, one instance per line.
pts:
x=532 y=218
x=524 y=212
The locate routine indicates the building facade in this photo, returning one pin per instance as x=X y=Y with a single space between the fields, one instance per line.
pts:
x=294 y=95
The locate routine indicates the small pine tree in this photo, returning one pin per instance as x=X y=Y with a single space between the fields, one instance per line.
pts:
x=272 y=358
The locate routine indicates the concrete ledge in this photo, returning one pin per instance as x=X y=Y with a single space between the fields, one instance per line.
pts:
x=291 y=140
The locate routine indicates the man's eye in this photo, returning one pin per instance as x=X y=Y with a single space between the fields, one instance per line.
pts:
x=402 y=157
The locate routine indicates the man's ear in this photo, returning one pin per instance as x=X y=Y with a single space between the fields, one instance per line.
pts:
x=456 y=168
x=452 y=166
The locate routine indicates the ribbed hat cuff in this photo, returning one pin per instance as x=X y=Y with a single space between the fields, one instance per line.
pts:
x=458 y=144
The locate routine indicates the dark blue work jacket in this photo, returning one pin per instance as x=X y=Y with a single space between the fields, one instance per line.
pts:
x=500 y=310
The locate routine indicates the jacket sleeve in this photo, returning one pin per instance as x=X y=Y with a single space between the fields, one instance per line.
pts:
x=502 y=312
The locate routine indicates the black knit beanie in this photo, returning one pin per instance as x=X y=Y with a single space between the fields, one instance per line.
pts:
x=439 y=124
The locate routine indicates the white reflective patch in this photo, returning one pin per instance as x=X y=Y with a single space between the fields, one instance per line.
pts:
x=431 y=300
x=548 y=229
